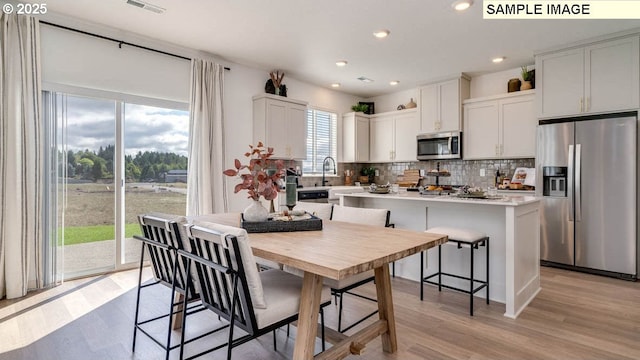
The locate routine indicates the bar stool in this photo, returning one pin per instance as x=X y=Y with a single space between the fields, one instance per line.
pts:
x=461 y=237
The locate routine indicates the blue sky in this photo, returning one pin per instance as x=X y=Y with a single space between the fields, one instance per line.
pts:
x=91 y=124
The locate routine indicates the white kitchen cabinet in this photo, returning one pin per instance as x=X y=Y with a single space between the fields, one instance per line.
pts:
x=441 y=104
x=500 y=127
x=597 y=78
x=393 y=136
x=281 y=123
x=355 y=137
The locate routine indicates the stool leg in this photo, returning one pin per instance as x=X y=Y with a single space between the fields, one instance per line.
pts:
x=471 y=284
x=421 y=275
x=487 y=242
x=439 y=267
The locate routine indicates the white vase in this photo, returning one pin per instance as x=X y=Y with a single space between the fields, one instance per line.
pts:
x=255 y=212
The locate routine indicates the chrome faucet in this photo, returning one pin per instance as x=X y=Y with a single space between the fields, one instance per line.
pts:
x=324 y=167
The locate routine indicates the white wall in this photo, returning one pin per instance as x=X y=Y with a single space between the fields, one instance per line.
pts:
x=494 y=83
x=241 y=82
x=390 y=102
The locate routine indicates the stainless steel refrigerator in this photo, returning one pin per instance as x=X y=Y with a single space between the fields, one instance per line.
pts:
x=586 y=174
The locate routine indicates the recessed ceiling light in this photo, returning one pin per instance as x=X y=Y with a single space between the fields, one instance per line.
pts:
x=461 y=5
x=341 y=63
x=381 y=33
x=335 y=85
x=394 y=82
x=498 y=59
x=365 y=79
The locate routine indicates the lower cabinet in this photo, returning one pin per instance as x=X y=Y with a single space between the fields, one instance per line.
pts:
x=500 y=127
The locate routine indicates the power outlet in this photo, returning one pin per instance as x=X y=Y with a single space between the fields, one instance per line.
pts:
x=483 y=172
x=377 y=172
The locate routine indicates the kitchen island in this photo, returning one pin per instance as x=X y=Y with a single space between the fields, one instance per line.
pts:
x=511 y=222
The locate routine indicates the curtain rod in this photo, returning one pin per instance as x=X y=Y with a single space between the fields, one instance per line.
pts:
x=120 y=42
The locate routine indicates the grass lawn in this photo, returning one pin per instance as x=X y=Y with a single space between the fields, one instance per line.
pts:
x=83 y=234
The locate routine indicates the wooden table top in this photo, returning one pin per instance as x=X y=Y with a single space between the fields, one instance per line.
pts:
x=339 y=250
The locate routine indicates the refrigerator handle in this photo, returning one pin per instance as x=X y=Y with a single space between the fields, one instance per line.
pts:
x=578 y=192
x=570 y=183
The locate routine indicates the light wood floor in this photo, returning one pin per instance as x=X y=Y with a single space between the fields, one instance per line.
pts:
x=575 y=316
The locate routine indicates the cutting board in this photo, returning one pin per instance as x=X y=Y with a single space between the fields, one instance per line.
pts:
x=411 y=177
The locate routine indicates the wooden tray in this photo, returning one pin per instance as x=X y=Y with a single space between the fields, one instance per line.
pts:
x=270 y=225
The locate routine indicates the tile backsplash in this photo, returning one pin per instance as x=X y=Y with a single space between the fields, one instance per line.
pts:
x=463 y=172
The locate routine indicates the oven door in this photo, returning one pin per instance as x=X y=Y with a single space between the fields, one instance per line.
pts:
x=439 y=146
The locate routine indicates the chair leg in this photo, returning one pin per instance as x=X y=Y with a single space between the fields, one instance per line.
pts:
x=233 y=318
x=340 y=314
x=487 y=242
x=439 y=267
x=322 y=328
x=421 y=275
x=393 y=269
x=184 y=310
x=275 y=344
x=135 y=321
x=471 y=284
x=288 y=328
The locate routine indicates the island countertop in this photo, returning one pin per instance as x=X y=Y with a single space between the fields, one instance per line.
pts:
x=501 y=200
x=511 y=222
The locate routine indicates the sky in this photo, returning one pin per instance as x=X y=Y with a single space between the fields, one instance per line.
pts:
x=91 y=124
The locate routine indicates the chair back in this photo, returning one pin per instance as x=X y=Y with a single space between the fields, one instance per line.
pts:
x=366 y=216
x=218 y=255
x=321 y=210
x=162 y=237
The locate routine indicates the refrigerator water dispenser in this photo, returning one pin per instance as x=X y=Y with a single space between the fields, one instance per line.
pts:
x=554 y=181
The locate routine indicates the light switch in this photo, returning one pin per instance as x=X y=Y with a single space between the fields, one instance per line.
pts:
x=483 y=172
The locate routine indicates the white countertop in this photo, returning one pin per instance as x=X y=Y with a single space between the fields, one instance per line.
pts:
x=506 y=200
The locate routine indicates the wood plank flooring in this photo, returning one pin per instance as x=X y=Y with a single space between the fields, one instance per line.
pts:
x=575 y=316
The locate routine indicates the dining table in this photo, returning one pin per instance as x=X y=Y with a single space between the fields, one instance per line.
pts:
x=338 y=251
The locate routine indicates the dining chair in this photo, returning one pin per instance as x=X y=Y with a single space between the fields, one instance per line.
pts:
x=367 y=216
x=321 y=210
x=256 y=302
x=161 y=238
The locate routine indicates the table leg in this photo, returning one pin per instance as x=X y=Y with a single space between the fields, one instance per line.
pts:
x=308 y=316
x=385 y=308
x=177 y=317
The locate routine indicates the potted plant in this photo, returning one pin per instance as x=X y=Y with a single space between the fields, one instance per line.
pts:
x=260 y=178
x=526 y=79
x=367 y=174
x=360 y=108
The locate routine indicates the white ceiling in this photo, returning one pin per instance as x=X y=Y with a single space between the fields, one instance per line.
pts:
x=304 y=38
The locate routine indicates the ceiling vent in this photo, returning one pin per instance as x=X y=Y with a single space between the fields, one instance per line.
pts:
x=364 y=79
x=144 y=5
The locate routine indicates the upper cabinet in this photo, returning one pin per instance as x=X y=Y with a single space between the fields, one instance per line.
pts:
x=393 y=136
x=281 y=123
x=597 y=78
x=500 y=127
x=441 y=105
x=355 y=137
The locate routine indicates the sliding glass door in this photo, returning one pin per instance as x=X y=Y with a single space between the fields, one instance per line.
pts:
x=155 y=164
x=114 y=160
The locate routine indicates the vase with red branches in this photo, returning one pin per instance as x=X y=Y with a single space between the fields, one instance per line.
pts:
x=260 y=177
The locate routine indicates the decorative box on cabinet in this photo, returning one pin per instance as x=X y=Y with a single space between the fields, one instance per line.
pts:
x=281 y=123
x=355 y=137
x=500 y=127
x=441 y=105
x=596 y=78
x=393 y=136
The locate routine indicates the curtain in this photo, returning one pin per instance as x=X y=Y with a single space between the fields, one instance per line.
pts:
x=21 y=157
x=206 y=184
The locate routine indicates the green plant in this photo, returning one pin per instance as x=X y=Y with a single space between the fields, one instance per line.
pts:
x=360 y=107
x=368 y=171
x=526 y=75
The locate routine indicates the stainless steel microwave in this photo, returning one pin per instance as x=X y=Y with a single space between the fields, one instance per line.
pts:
x=445 y=145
